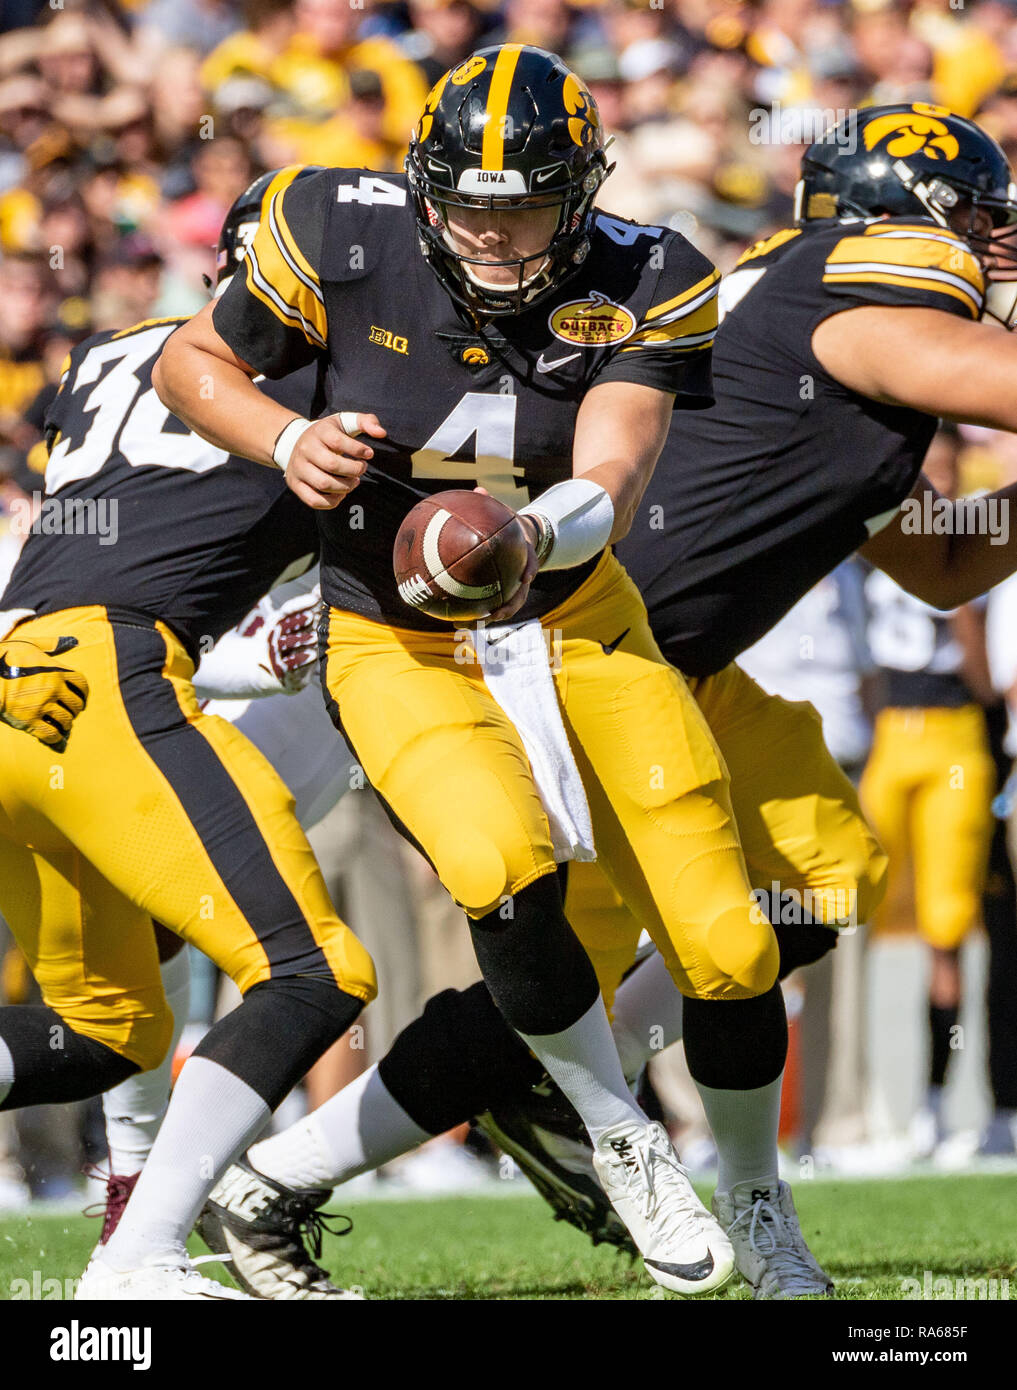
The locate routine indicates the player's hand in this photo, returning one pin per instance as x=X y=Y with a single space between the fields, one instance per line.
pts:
x=327 y=463
x=38 y=694
x=293 y=642
x=522 y=593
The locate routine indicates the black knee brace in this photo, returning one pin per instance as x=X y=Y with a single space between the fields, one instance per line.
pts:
x=456 y=1060
x=52 y=1063
x=279 y=1031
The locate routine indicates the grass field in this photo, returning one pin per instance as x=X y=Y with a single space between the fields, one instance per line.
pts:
x=869 y=1235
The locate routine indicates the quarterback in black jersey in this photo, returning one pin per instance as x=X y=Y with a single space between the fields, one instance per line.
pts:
x=156 y=811
x=481 y=324
x=844 y=337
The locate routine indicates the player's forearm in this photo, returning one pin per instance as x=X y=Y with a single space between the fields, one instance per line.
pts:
x=217 y=398
x=620 y=432
x=949 y=553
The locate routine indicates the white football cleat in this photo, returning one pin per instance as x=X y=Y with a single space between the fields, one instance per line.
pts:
x=262 y=1227
x=768 y=1242
x=683 y=1247
x=160 y=1281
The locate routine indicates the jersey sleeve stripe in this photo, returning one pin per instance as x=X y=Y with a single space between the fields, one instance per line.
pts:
x=684 y=310
x=289 y=249
x=925 y=277
x=905 y=254
x=691 y=293
x=687 y=331
x=690 y=343
x=282 y=305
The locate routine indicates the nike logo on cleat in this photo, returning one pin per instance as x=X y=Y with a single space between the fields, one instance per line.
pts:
x=760 y=1194
x=702 y=1269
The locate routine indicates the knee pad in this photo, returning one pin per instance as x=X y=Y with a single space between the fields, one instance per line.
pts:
x=744 y=956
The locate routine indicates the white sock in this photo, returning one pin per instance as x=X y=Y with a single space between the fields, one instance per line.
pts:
x=359 y=1129
x=744 y=1125
x=212 y=1117
x=647 y=1014
x=584 y=1061
x=135 y=1108
x=6 y=1071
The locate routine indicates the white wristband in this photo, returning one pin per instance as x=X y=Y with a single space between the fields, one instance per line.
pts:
x=580 y=516
x=287 y=440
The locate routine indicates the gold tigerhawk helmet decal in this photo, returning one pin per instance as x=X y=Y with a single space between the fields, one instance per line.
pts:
x=919 y=133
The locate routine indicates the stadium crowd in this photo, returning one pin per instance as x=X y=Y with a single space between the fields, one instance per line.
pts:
x=126 y=131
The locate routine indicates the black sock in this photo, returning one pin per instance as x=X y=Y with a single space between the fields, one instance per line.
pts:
x=737 y=1044
x=942 y=1022
x=52 y=1063
x=279 y=1031
x=532 y=961
x=458 y=1059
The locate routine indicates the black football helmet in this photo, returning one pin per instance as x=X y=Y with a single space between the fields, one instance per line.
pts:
x=915 y=161
x=511 y=126
x=243 y=217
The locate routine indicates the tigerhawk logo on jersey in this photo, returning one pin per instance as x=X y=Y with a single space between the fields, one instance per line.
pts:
x=922 y=133
x=384 y=338
x=593 y=322
x=476 y=356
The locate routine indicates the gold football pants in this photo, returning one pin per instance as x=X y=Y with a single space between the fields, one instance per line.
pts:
x=798 y=819
x=927 y=789
x=450 y=765
x=155 y=811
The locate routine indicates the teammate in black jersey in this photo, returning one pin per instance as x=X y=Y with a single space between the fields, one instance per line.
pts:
x=156 y=810
x=480 y=323
x=844 y=337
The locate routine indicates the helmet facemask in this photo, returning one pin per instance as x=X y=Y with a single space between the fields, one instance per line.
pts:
x=537 y=274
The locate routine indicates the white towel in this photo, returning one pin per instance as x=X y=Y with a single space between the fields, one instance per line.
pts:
x=517 y=668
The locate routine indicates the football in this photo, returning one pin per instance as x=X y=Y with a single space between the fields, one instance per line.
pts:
x=459 y=555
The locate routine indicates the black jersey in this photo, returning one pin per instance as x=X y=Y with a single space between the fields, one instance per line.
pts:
x=141 y=515
x=335 y=272
x=758 y=497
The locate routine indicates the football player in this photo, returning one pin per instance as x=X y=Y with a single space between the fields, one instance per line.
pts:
x=480 y=322
x=155 y=810
x=845 y=336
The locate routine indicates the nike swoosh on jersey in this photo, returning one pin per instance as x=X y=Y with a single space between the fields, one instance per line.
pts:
x=543 y=366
